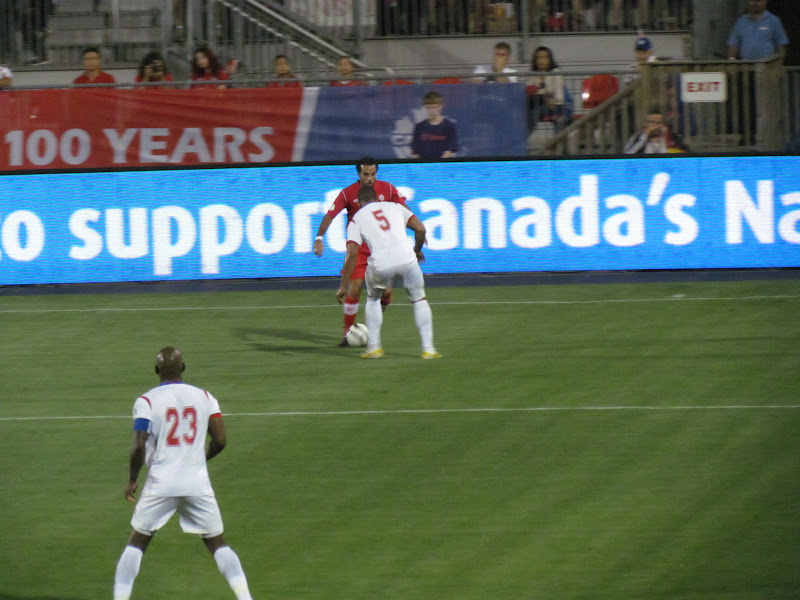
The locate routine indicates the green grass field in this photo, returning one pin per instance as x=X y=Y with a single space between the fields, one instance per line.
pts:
x=576 y=442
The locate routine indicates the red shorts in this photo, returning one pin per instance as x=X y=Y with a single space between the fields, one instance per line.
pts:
x=360 y=269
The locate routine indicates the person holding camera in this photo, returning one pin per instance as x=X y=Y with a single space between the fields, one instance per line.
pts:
x=153 y=69
x=655 y=137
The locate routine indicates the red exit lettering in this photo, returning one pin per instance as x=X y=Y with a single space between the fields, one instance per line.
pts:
x=702 y=86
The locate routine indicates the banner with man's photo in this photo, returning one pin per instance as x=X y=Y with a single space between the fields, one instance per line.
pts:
x=106 y=128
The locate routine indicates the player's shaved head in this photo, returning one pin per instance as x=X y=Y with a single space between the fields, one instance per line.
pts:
x=366 y=195
x=169 y=364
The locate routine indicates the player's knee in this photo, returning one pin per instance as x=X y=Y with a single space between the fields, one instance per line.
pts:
x=354 y=288
x=416 y=294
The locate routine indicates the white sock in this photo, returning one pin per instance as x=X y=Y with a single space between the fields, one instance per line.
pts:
x=423 y=317
x=374 y=316
x=231 y=568
x=127 y=570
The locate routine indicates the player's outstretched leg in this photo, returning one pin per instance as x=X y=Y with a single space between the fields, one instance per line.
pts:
x=127 y=570
x=350 y=313
x=229 y=565
x=374 y=315
x=423 y=317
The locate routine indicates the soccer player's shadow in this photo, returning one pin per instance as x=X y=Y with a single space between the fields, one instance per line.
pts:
x=273 y=339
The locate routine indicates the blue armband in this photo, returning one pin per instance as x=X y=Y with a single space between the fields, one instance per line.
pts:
x=141 y=424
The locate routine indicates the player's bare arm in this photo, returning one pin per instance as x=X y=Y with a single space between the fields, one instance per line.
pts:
x=136 y=464
x=319 y=245
x=347 y=270
x=415 y=225
x=217 y=437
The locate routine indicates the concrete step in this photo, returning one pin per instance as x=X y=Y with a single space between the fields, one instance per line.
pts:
x=95 y=37
x=71 y=6
x=101 y=20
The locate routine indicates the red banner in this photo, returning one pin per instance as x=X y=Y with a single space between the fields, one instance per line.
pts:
x=102 y=128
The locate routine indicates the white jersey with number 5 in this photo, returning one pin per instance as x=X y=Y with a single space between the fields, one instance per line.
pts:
x=382 y=225
x=176 y=446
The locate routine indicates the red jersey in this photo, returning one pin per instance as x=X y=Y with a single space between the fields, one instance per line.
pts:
x=348 y=199
x=351 y=82
x=167 y=77
x=220 y=75
x=287 y=82
x=102 y=77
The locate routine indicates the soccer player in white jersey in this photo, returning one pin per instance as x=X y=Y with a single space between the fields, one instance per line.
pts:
x=382 y=226
x=170 y=424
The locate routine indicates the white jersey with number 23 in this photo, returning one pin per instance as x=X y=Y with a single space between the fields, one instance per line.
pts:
x=176 y=445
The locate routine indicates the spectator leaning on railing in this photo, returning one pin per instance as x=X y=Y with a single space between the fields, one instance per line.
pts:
x=497 y=72
x=283 y=72
x=153 y=69
x=347 y=75
x=6 y=77
x=655 y=138
x=206 y=67
x=92 y=72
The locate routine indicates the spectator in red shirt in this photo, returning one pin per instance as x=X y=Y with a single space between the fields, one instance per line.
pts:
x=92 y=72
x=283 y=71
x=153 y=69
x=206 y=67
x=346 y=74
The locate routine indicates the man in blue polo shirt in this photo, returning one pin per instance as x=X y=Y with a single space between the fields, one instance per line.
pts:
x=757 y=34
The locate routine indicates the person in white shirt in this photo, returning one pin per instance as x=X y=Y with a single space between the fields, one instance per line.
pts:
x=382 y=226
x=6 y=77
x=497 y=72
x=170 y=424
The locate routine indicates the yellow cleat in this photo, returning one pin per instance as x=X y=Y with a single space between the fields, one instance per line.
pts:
x=377 y=353
x=431 y=354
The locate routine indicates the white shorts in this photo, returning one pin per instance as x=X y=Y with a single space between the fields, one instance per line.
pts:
x=413 y=281
x=196 y=514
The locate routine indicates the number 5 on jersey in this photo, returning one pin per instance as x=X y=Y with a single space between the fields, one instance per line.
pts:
x=380 y=218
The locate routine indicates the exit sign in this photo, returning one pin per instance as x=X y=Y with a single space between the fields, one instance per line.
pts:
x=704 y=87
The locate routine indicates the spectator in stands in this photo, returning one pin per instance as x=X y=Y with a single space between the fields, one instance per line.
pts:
x=153 y=69
x=283 y=72
x=547 y=103
x=758 y=34
x=206 y=67
x=655 y=138
x=497 y=71
x=6 y=77
x=436 y=136
x=33 y=27
x=92 y=72
x=346 y=73
x=543 y=16
x=643 y=51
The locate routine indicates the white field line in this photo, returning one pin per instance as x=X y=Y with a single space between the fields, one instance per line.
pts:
x=424 y=411
x=679 y=298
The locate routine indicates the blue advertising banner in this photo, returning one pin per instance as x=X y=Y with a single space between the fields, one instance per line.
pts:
x=349 y=122
x=488 y=216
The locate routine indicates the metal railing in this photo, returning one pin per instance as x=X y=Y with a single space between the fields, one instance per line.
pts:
x=33 y=31
x=759 y=114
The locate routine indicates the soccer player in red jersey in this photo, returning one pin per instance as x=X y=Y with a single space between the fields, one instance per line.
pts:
x=367 y=168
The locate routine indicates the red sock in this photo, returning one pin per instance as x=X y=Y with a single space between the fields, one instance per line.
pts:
x=385 y=300
x=350 y=312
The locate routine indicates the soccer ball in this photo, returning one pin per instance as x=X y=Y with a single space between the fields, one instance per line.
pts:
x=357 y=335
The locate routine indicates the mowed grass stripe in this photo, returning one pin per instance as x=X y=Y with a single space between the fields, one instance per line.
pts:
x=334 y=413
x=401 y=303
